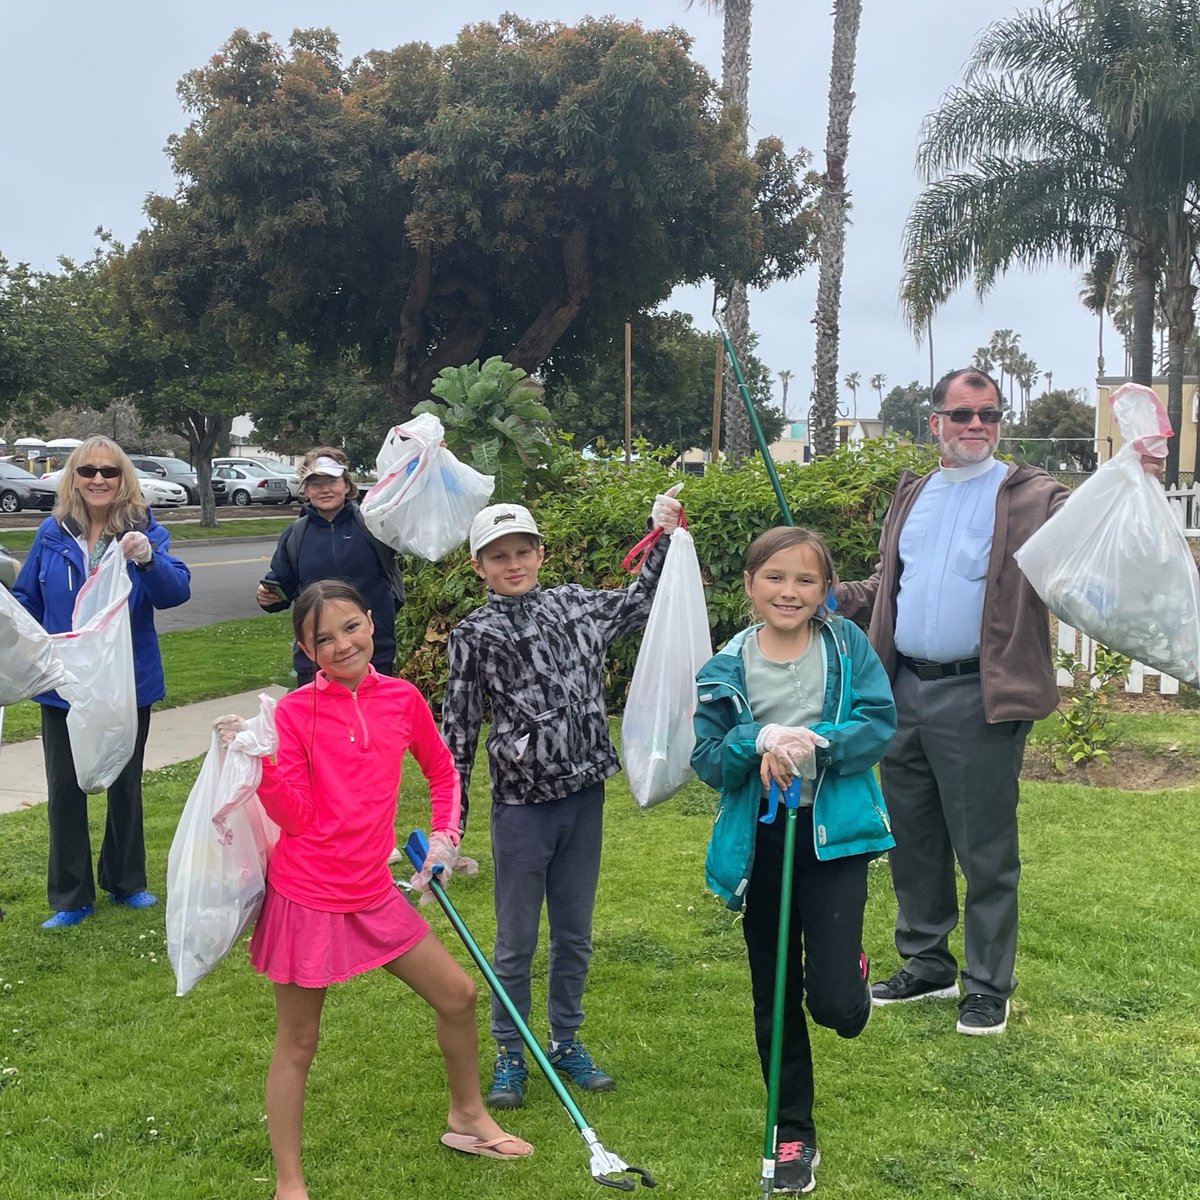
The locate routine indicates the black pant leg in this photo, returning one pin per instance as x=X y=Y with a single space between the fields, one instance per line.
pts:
x=122 y=866
x=69 y=882
x=760 y=928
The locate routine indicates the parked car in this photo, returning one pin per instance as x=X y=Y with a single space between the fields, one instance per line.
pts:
x=252 y=485
x=174 y=469
x=20 y=489
x=271 y=464
x=157 y=491
x=160 y=492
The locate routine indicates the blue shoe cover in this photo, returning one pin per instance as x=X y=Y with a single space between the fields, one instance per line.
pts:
x=142 y=899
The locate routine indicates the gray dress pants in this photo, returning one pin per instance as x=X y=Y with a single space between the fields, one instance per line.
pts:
x=950 y=780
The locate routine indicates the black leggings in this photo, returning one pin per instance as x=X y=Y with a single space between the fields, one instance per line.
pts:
x=825 y=940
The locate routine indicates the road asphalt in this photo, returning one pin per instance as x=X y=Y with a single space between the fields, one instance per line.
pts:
x=176 y=734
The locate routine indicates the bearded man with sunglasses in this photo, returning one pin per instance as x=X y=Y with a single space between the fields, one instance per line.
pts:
x=966 y=643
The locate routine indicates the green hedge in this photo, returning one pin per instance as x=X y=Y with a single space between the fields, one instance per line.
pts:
x=599 y=509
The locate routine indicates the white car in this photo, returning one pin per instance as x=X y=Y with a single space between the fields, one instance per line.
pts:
x=157 y=492
x=160 y=492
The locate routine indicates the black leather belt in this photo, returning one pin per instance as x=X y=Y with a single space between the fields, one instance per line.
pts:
x=934 y=670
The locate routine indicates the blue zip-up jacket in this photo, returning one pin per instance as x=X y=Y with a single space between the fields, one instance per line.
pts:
x=859 y=719
x=55 y=569
x=339 y=549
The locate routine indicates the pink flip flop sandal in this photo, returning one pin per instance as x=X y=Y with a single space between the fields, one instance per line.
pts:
x=468 y=1143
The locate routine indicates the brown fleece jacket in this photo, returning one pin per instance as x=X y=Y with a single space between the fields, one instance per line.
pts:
x=1016 y=672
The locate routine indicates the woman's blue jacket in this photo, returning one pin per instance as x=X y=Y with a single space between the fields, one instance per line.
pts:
x=53 y=572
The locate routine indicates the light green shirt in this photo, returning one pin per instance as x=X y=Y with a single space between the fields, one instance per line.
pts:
x=786 y=693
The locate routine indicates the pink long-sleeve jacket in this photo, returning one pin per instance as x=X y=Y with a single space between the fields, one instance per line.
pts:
x=332 y=787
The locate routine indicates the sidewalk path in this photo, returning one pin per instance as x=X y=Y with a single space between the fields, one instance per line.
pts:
x=176 y=734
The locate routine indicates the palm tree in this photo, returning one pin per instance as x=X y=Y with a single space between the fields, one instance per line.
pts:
x=1095 y=292
x=1055 y=146
x=877 y=382
x=785 y=377
x=831 y=238
x=735 y=79
x=1003 y=348
x=852 y=381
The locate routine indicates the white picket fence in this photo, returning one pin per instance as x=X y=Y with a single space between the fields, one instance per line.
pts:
x=1083 y=648
x=1185 y=504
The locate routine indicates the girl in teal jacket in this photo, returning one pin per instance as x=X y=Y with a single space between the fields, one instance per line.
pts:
x=800 y=696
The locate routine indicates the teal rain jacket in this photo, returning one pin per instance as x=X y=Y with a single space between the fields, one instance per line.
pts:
x=859 y=718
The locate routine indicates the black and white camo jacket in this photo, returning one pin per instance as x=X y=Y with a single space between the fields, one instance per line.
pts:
x=538 y=659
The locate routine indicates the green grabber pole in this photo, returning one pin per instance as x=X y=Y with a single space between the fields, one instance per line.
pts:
x=731 y=355
x=775 y=1060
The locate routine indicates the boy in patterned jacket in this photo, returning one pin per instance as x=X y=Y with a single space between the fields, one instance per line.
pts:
x=537 y=657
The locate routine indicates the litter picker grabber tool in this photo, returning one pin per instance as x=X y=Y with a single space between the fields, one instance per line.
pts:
x=791 y=802
x=752 y=416
x=606 y=1168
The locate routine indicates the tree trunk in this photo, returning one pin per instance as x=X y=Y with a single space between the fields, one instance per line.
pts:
x=832 y=232
x=738 y=442
x=1141 y=338
x=1179 y=309
x=203 y=432
x=735 y=76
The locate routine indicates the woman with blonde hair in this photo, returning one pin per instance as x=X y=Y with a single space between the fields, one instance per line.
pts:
x=99 y=502
x=330 y=540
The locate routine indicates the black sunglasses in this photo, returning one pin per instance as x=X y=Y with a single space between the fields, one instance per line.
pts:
x=963 y=416
x=87 y=471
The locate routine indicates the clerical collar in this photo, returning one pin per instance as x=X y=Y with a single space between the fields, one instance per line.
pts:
x=970 y=471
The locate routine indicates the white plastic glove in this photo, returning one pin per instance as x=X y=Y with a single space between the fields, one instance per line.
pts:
x=666 y=510
x=136 y=545
x=794 y=744
x=443 y=852
x=228 y=727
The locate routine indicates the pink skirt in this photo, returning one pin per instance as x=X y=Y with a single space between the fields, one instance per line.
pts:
x=293 y=943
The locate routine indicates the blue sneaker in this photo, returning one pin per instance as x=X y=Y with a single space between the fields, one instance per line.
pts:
x=142 y=899
x=508 y=1081
x=572 y=1060
x=69 y=916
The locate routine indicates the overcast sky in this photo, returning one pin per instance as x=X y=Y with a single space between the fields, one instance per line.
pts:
x=87 y=101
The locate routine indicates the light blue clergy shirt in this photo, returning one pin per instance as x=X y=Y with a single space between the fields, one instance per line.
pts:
x=944 y=548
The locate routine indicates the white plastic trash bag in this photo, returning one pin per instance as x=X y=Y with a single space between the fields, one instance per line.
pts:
x=425 y=499
x=29 y=660
x=1113 y=561
x=217 y=864
x=98 y=653
x=657 y=736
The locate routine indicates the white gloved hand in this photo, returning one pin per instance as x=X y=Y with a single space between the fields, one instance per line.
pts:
x=443 y=852
x=666 y=510
x=228 y=727
x=137 y=546
x=794 y=744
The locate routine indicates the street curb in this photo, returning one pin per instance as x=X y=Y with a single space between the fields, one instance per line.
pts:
x=179 y=548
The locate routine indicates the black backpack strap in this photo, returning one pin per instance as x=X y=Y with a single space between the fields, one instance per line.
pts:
x=291 y=546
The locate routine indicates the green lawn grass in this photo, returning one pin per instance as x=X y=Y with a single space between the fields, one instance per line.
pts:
x=181 y=531
x=113 y=1087
x=214 y=660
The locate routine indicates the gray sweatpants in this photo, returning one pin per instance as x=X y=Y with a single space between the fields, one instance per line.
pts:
x=545 y=852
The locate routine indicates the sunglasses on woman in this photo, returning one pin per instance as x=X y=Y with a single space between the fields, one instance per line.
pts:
x=88 y=471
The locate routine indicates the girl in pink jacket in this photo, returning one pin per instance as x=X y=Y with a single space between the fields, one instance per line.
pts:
x=332 y=909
